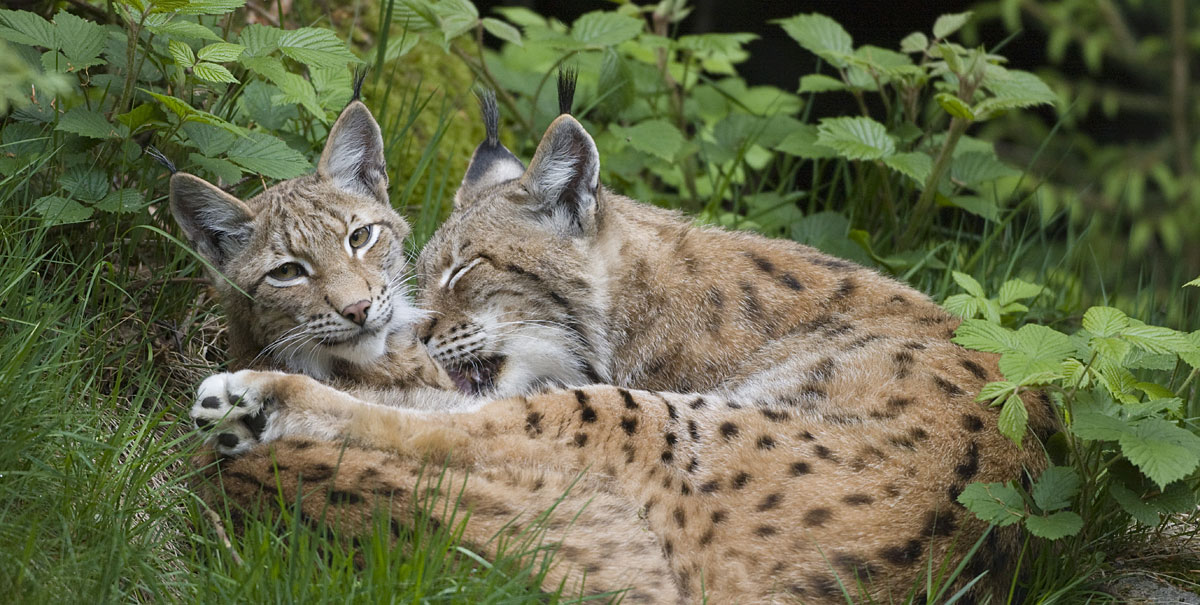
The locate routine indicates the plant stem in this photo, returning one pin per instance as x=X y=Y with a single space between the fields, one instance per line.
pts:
x=925 y=203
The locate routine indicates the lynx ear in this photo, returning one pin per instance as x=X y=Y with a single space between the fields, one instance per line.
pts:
x=216 y=223
x=353 y=156
x=492 y=163
x=564 y=175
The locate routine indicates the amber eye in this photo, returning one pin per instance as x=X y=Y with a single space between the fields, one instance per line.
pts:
x=287 y=272
x=360 y=237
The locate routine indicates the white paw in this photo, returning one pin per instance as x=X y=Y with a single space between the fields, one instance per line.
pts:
x=233 y=411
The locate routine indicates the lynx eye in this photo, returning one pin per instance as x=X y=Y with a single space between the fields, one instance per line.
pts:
x=287 y=272
x=360 y=237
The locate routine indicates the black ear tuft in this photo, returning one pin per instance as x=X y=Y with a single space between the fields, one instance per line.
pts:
x=563 y=178
x=360 y=76
x=567 y=78
x=353 y=158
x=492 y=163
x=491 y=115
x=158 y=156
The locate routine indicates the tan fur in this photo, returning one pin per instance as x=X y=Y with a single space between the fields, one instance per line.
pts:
x=804 y=424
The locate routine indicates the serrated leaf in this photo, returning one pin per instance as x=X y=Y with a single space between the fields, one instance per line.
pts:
x=315 y=46
x=1017 y=89
x=1036 y=349
x=294 y=87
x=820 y=83
x=1017 y=289
x=84 y=183
x=1013 y=419
x=121 y=201
x=211 y=72
x=259 y=40
x=60 y=210
x=913 y=164
x=223 y=170
x=1105 y=321
x=1056 y=488
x=616 y=83
x=803 y=143
x=80 y=40
x=181 y=53
x=1054 y=526
x=1161 y=450
x=915 y=42
x=1142 y=512
x=210 y=140
x=86 y=122
x=1156 y=339
x=948 y=24
x=221 y=52
x=264 y=154
x=962 y=305
x=24 y=27
x=977 y=168
x=455 y=17
x=997 y=390
x=1194 y=282
x=187 y=112
x=184 y=29
x=983 y=336
x=1114 y=349
x=821 y=36
x=994 y=503
x=600 y=28
x=205 y=7
x=968 y=283
x=657 y=137
x=856 y=138
x=954 y=106
x=502 y=30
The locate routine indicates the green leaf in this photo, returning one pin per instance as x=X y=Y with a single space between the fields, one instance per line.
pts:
x=1142 y=512
x=948 y=24
x=820 y=83
x=1162 y=450
x=60 y=210
x=976 y=168
x=211 y=72
x=315 y=46
x=456 y=17
x=259 y=40
x=616 y=82
x=976 y=205
x=1017 y=289
x=803 y=143
x=1013 y=419
x=24 y=27
x=122 y=201
x=1157 y=340
x=84 y=183
x=502 y=30
x=658 y=137
x=821 y=36
x=1055 y=488
x=185 y=112
x=182 y=53
x=223 y=170
x=954 y=106
x=1194 y=282
x=86 y=122
x=600 y=28
x=80 y=40
x=184 y=29
x=994 y=503
x=856 y=138
x=984 y=336
x=915 y=42
x=208 y=7
x=1015 y=89
x=1036 y=349
x=210 y=140
x=997 y=390
x=1055 y=526
x=962 y=305
x=294 y=87
x=221 y=52
x=264 y=154
x=968 y=283
x=913 y=164
x=1105 y=321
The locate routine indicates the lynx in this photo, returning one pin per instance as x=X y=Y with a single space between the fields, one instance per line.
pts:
x=731 y=417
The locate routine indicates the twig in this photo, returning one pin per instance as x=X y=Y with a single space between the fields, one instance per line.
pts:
x=224 y=537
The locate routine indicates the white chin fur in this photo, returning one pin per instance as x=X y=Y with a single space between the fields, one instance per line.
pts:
x=318 y=361
x=530 y=362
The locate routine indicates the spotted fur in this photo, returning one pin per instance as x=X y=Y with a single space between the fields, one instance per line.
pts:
x=777 y=425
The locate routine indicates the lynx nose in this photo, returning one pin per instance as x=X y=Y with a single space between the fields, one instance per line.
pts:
x=357 y=312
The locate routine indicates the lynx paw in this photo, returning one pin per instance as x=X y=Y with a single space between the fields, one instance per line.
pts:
x=233 y=408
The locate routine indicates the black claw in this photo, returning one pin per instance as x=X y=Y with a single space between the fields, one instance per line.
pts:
x=227 y=440
x=211 y=403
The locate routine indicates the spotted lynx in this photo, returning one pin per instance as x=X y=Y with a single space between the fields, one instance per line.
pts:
x=764 y=423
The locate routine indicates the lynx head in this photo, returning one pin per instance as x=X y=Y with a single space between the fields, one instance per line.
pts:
x=514 y=288
x=311 y=271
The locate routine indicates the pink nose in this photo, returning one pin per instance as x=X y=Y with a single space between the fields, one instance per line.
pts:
x=357 y=312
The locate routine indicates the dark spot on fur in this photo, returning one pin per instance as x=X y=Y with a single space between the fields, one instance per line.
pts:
x=899 y=403
x=806 y=436
x=343 y=497
x=855 y=566
x=863 y=341
x=709 y=487
x=719 y=516
x=580 y=439
x=533 y=422
x=728 y=430
x=765 y=531
x=832 y=263
x=691 y=467
x=948 y=387
x=845 y=288
x=630 y=404
x=671 y=413
x=630 y=453
x=817 y=517
x=629 y=424
x=668 y=456
x=771 y=501
x=970 y=465
x=954 y=491
x=763 y=264
x=765 y=443
x=707 y=537
x=975 y=369
x=904 y=361
x=740 y=480
x=775 y=416
x=800 y=468
x=905 y=554
x=939 y=524
x=733 y=405
x=898 y=299
x=972 y=423
x=791 y=282
x=680 y=518
x=857 y=499
x=697 y=403
x=825 y=453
